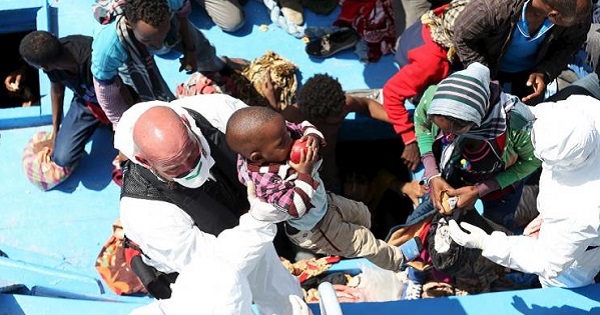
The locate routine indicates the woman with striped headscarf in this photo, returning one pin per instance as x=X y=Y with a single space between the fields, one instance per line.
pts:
x=475 y=143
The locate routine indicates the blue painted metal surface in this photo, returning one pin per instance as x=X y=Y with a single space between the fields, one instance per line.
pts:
x=51 y=239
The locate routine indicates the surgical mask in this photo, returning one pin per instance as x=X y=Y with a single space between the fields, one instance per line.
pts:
x=199 y=174
x=201 y=171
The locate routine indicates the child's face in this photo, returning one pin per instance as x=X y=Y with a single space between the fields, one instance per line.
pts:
x=277 y=142
x=451 y=126
x=149 y=35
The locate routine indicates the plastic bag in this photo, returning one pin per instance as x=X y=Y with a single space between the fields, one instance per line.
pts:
x=379 y=285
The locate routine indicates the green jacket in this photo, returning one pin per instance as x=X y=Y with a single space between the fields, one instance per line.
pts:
x=518 y=151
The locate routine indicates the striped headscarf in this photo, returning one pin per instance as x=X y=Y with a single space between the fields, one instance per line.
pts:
x=465 y=95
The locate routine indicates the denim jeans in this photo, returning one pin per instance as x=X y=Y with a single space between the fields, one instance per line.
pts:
x=76 y=128
x=502 y=210
x=588 y=85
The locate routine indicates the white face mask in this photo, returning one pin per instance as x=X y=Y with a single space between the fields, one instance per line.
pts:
x=199 y=174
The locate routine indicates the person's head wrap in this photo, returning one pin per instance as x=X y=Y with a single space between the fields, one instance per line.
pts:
x=463 y=95
x=566 y=138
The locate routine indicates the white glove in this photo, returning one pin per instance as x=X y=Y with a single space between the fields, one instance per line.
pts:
x=299 y=307
x=476 y=237
x=263 y=211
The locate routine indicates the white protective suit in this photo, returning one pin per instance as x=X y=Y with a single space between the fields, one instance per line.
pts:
x=217 y=275
x=242 y=267
x=161 y=229
x=567 y=140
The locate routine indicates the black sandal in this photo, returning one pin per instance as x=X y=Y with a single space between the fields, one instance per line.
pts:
x=330 y=44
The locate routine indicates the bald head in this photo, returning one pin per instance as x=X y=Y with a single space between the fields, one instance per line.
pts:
x=161 y=136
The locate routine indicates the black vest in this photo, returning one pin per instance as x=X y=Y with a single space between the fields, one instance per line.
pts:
x=214 y=206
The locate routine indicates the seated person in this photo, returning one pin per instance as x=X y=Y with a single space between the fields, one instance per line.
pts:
x=314 y=219
x=475 y=143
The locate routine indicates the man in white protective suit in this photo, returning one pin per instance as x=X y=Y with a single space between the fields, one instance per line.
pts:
x=226 y=265
x=565 y=253
x=241 y=268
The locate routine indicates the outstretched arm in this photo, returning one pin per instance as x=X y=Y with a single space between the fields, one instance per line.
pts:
x=367 y=106
x=57 y=95
x=111 y=100
x=188 y=61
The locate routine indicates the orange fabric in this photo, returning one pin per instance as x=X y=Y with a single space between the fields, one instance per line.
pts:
x=408 y=232
x=113 y=265
x=308 y=268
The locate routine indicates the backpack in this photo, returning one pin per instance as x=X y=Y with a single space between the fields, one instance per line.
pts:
x=472 y=272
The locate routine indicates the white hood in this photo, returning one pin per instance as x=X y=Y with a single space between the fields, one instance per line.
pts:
x=566 y=139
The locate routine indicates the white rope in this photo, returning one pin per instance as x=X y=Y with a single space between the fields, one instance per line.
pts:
x=278 y=18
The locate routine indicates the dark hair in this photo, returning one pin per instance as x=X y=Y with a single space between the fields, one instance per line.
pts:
x=152 y=12
x=321 y=96
x=570 y=8
x=40 y=48
x=242 y=132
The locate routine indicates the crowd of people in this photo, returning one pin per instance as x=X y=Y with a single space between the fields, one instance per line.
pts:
x=208 y=182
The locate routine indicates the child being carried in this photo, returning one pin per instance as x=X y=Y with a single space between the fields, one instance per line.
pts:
x=317 y=220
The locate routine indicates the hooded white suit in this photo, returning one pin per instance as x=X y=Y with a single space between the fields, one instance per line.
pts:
x=566 y=138
x=222 y=275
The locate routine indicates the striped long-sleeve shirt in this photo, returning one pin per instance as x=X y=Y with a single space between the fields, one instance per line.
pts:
x=284 y=188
